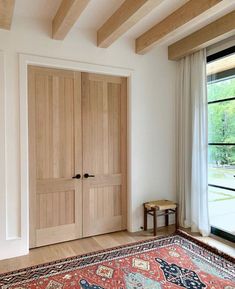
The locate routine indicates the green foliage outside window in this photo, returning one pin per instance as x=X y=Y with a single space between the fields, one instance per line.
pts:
x=221 y=89
x=221 y=122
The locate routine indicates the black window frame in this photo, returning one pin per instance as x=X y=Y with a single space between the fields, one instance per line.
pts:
x=219 y=76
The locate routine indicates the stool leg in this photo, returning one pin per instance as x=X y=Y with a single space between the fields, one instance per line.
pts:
x=166 y=218
x=145 y=218
x=176 y=218
x=154 y=222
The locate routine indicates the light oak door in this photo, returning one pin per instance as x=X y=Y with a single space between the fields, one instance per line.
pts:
x=104 y=100
x=55 y=155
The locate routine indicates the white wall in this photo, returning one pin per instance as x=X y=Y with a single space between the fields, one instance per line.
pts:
x=152 y=117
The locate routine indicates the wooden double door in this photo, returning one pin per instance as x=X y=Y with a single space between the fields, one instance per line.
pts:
x=77 y=154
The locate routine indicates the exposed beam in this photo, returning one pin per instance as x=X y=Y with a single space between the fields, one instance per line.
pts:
x=178 y=18
x=66 y=16
x=210 y=34
x=6 y=13
x=126 y=16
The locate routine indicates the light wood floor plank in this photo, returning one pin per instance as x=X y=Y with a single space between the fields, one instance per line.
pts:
x=91 y=244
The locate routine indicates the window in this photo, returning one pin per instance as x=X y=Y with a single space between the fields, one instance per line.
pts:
x=221 y=146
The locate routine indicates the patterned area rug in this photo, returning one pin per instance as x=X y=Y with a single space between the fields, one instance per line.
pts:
x=175 y=261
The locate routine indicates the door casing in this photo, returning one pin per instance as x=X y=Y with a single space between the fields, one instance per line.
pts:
x=21 y=245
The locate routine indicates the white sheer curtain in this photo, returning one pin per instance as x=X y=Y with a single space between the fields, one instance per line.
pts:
x=192 y=184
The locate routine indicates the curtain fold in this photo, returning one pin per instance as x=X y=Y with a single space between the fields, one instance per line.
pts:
x=192 y=179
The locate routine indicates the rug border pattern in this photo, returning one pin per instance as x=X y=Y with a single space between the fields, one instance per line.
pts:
x=224 y=262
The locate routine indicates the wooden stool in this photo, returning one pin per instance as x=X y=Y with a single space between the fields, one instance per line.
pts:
x=152 y=208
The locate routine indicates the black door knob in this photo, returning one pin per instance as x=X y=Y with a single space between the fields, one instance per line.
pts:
x=88 y=176
x=78 y=176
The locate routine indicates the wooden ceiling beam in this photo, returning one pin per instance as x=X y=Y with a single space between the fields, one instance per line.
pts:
x=178 y=18
x=66 y=16
x=6 y=13
x=125 y=17
x=208 y=35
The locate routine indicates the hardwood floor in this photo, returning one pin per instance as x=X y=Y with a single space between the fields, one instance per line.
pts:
x=72 y=248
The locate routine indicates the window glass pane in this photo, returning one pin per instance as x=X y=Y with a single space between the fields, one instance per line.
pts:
x=221 y=78
x=221 y=130
x=221 y=209
x=221 y=89
x=221 y=122
x=222 y=166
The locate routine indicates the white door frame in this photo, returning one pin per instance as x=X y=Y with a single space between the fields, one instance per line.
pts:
x=3 y=184
x=24 y=61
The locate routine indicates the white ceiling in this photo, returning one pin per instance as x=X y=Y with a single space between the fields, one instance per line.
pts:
x=44 y=9
x=98 y=11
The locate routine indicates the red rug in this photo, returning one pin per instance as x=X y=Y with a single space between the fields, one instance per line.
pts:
x=176 y=261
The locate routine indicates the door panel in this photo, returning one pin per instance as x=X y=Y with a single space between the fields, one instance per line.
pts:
x=69 y=135
x=55 y=155
x=104 y=153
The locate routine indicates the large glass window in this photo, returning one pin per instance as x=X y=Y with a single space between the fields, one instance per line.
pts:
x=221 y=146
